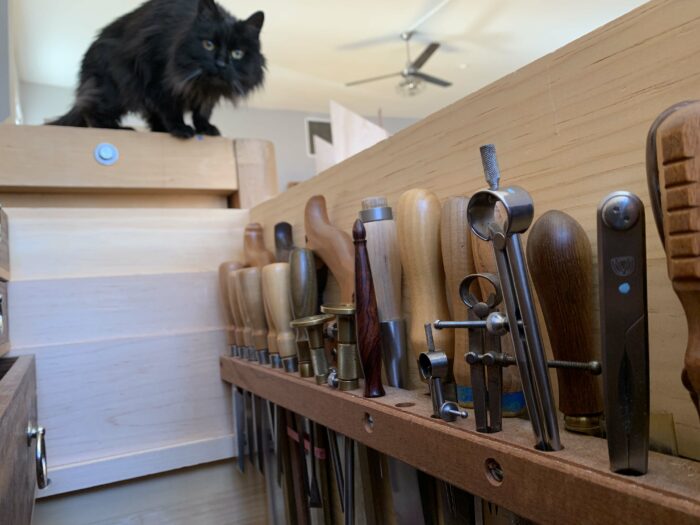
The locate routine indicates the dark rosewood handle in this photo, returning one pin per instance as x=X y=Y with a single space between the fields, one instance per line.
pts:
x=368 y=337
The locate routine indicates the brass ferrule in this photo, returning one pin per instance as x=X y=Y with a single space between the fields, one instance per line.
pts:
x=590 y=425
x=348 y=364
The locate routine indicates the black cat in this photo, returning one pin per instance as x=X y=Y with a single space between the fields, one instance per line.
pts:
x=165 y=58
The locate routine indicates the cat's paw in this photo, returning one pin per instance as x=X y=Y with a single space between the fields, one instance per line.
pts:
x=208 y=129
x=182 y=132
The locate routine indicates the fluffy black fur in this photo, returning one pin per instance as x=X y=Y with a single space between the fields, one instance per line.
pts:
x=165 y=58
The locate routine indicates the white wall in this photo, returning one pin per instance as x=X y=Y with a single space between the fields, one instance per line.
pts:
x=284 y=128
x=4 y=62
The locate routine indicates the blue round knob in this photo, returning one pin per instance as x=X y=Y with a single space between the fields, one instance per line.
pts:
x=106 y=154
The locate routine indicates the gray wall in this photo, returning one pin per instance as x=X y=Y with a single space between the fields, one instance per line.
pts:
x=4 y=62
x=283 y=128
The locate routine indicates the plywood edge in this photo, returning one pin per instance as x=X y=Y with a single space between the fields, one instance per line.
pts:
x=586 y=491
x=103 y=471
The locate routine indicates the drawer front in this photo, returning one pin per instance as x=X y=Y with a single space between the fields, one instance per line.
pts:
x=17 y=454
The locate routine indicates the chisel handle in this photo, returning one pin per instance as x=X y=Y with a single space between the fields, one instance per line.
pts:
x=333 y=245
x=561 y=266
x=236 y=284
x=418 y=223
x=368 y=337
x=304 y=295
x=458 y=261
x=251 y=295
x=225 y=269
x=236 y=313
x=276 y=279
x=678 y=165
x=284 y=241
x=485 y=262
x=384 y=259
x=254 y=247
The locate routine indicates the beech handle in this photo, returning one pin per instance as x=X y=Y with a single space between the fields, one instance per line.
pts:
x=251 y=293
x=224 y=269
x=254 y=247
x=236 y=284
x=331 y=244
x=560 y=260
x=418 y=223
x=284 y=241
x=367 y=317
x=276 y=291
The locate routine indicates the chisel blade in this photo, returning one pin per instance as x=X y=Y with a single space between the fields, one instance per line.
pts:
x=250 y=427
x=239 y=419
x=258 y=453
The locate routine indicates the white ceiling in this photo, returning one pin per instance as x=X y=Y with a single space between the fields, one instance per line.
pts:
x=315 y=46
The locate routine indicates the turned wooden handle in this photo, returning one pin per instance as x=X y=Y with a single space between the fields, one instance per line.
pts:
x=284 y=241
x=225 y=269
x=457 y=259
x=367 y=318
x=678 y=164
x=252 y=301
x=331 y=244
x=304 y=294
x=276 y=292
x=254 y=247
x=236 y=286
x=418 y=223
x=485 y=262
x=384 y=260
x=560 y=263
x=271 y=328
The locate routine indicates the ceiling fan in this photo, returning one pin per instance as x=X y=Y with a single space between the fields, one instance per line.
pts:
x=413 y=77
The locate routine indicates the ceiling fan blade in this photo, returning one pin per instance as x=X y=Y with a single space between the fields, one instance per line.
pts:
x=369 y=42
x=432 y=80
x=425 y=55
x=423 y=19
x=365 y=80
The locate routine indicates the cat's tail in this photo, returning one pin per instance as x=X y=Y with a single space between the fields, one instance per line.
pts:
x=74 y=117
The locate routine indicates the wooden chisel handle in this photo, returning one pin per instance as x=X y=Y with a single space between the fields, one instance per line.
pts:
x=224 y=269
x=418 y=223
x=237 y=281
x=561 y=266
x=254 y=247
x=284 y=241
x=276 y=279
x=333 y=245
x=251 y=294
x=384 y=258
x=676 y=139
x=368 y=337
x=513 y=400
x=455 y=235
x=304 y=296
x=236 y=312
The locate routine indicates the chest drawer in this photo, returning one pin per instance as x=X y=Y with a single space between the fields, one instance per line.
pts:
x=18 y=466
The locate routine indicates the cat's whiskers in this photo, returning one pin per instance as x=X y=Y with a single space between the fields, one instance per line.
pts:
x=238 y=86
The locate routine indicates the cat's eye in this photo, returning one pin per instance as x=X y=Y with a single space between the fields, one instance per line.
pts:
x=237 y=54
x=208 y=45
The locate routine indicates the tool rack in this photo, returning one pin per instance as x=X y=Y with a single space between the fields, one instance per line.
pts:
x=571 y=128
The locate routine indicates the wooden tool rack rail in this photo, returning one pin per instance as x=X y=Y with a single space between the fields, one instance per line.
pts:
x=574 y=485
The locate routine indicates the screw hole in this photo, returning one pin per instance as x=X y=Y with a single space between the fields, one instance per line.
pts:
x=494 y=472
x=369 y=423
x=404 y=405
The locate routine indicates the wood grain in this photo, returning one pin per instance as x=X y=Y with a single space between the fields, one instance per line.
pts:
x=570 y=128
x=17 y=411
x=331 y=244
x=236 y=311
x=225 y=269
x=455 y=240
x=559 y=260
x=418 y=222
x=579 y=474
x=254 y=246
x=147 y=161
x=257 y=171
x=678 y=151
x=366 y=317
x=276 y=290
x=251 y=300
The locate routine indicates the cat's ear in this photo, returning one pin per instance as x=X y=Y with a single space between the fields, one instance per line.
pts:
x=208 y=6
x=256 y=20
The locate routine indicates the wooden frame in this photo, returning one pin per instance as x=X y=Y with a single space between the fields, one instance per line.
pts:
x=570 y=486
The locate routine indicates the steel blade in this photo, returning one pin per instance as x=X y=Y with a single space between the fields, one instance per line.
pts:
x=372 y=79
x=424 y=56
x=432 y=79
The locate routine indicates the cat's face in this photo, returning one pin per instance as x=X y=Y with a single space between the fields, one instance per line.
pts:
x=222 y=53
